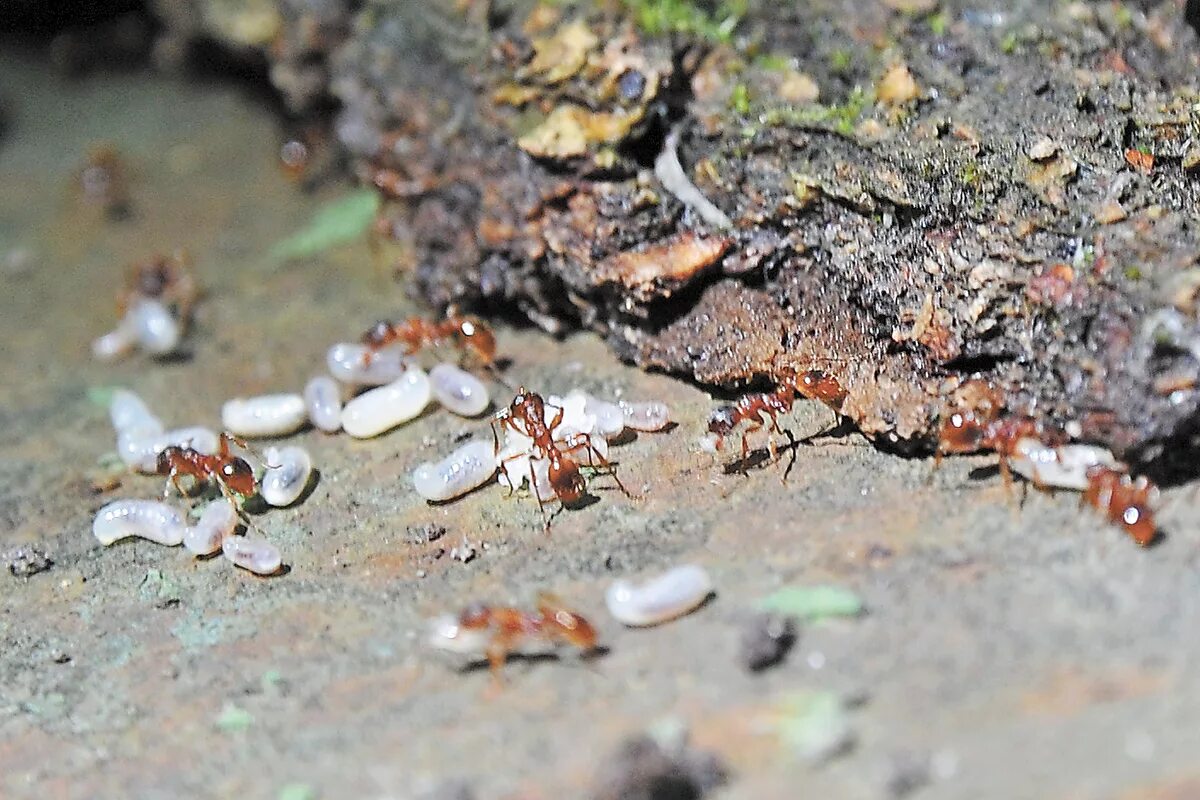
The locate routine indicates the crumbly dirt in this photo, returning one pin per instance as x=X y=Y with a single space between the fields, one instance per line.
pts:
x=1009 y=649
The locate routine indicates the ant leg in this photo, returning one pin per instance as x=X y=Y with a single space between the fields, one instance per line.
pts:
x=792 y=449
x=606 y=465
x=538 y=496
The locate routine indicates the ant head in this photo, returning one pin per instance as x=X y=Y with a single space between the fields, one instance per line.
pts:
x=154 y=277
x=722 y=420
x=166 y=459
x=238 y=476
x=480 y=338
x=961 y=432
x=572 y=627
x=566 y=479
x=378 y=333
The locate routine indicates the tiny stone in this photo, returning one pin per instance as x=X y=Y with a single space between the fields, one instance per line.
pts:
x=766 y=639
x=59 y=657
x=1043 y=149
x=424 y=534
x=27 y=560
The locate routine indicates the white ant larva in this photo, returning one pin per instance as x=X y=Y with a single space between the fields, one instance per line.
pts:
x=649 y=415
x=288 y=472
x=145 y=519
x=265 y=415
x=156 y=329
x=672 y=594
x=217 y=522
x=358 y=365
x=251 y=553
x=1062 y=467
x=468 y=467
x=323 y=397
x=139 y=450
x=609 y=419
x=130 y=415
x=381 y=409
x=458 y=391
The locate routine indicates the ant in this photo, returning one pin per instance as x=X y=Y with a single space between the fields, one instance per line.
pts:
x=230 y=472
x=507 y=627
x=1124 y=500
x=470 y=334
x=165 y=278
x=526 y=416
x=763 y=409
x=981 y=427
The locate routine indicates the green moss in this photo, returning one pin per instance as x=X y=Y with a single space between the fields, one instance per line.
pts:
x=840 y=61
x=813 y=602
x=772 y=62
x=1122 y=16
x=938 y=23
x=1133 y=273
x=739 y=99
x=1009 y=43
x=340 y=221
x=969 y=174
x=658 y=17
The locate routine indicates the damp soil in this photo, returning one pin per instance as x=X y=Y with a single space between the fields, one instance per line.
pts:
x=1012 y=646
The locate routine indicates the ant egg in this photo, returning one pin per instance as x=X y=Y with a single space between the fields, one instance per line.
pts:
x=287 y=475
x=381 y=409
x=324 y=400
x=254 y=554
x=649 y=415
x=130 y=415
x=217 y=521
x=445 y=633
x=265 y=415
x=458 y=390
x=1063 y=467
x=359 y=365
x=468 y=467
x=672 y=594
x=140 y=450
x=146 y=519
x=155 y=327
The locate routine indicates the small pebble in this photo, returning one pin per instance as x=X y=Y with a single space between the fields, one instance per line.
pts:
x=265 y=415
x=458 y=391
x=145 y=519
x=288 y=472
x=251 y=553
x=378 y=410
x=765 y=640
x=324 y=400
x=27 y=560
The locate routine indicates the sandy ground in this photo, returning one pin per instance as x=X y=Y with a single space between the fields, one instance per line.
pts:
x=1006 y=652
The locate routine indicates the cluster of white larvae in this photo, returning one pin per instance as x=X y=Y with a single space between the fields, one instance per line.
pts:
x=141 y=436
x=586 y=426
x=397 y=391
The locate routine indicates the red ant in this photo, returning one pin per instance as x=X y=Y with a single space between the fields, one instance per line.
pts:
x=1124 y=500
x=507 y=627
x=165 y=278
x=981 y=427
x=230 y=472
x=526 y=415
x=813 y=384
x=469 y=334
